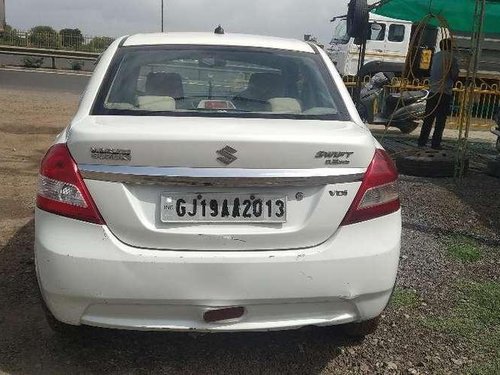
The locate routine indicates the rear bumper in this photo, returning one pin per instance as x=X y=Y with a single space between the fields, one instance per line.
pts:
x=89 y=277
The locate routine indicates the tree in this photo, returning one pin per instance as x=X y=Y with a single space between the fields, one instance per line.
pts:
x=43 y=37
x=7 y=29
x=5 y=34
x=71 y=38
x=10 y=36
x=99 y=43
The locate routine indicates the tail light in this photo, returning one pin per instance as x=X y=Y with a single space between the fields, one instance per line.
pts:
x=378 y=194
x=61 y=189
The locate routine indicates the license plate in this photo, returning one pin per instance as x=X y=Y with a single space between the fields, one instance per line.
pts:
x=223 y=208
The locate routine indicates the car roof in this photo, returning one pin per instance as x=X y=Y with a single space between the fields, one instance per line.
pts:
x=212 y=39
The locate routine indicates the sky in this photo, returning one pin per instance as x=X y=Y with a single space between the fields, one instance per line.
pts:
x=286 y=18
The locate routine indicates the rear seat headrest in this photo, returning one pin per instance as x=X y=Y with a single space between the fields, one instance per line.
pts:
x=164 y=84
x=156 y=103
x=285 y=105
x=266 y=85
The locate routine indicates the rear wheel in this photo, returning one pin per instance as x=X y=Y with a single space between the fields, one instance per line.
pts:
x=362 y=329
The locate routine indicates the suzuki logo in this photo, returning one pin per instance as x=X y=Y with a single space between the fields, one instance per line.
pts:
x=227 y=155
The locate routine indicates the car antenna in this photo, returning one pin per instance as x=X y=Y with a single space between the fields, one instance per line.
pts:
x=219 y=30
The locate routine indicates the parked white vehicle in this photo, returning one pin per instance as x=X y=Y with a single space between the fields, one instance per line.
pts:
x=216 y=183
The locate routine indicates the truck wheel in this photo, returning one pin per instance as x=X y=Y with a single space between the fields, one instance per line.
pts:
x=429 y=163
x=362 y=329
x=357 y=18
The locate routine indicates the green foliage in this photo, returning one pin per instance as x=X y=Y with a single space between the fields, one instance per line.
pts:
x=43 y=37
x=403 y=297
x=490 y=368
x=47 y=37
x=7 y=29
x=463 y=249
x=33 y=62
x=71 y=38
x=99 y=44
x=10 y=37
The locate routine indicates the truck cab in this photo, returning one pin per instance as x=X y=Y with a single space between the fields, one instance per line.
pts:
x=388 y=41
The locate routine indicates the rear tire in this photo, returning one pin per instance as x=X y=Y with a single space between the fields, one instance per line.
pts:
x=362 y=329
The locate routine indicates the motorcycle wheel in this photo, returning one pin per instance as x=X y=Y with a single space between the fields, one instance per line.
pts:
x=406 y=127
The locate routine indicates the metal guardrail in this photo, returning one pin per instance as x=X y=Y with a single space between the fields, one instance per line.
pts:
x=48 y=53
x=486 y=99
x=43 y=52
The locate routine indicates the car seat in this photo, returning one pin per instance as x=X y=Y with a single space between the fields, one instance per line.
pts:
x=162 y=92
x=261 y=88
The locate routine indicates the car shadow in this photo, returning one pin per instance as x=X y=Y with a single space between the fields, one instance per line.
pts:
x=28 y=346
x=470 y=207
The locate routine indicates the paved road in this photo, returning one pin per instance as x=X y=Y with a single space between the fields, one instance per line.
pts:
x=43 y=81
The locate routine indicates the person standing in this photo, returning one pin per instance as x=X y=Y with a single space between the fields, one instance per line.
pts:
x=444 y=74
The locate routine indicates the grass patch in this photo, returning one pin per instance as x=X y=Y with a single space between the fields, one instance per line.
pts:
x=475 y=316
x=490 y=368
x=403 y=297
x=463 y=249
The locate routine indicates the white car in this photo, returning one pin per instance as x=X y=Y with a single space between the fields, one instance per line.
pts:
x=216 y=182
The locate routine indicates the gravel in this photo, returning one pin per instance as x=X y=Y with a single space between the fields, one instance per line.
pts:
x=442 y=206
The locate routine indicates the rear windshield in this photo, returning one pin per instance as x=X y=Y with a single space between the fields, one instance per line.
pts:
x=219 y=81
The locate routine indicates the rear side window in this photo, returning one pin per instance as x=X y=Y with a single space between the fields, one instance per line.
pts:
x=377 y=31
x=219 y=81
x=396 y=33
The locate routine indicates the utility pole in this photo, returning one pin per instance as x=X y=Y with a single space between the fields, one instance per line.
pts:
x=464 y=121
x=162 y=17
x=2 y=15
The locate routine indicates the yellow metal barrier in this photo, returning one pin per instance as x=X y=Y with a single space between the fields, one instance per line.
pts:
x=486 y=99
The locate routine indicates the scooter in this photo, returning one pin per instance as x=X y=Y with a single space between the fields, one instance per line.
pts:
x=400 y=110
x=496 y=130
x=493 y=166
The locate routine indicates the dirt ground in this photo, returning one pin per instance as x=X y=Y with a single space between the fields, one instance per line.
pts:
x=444 y=317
